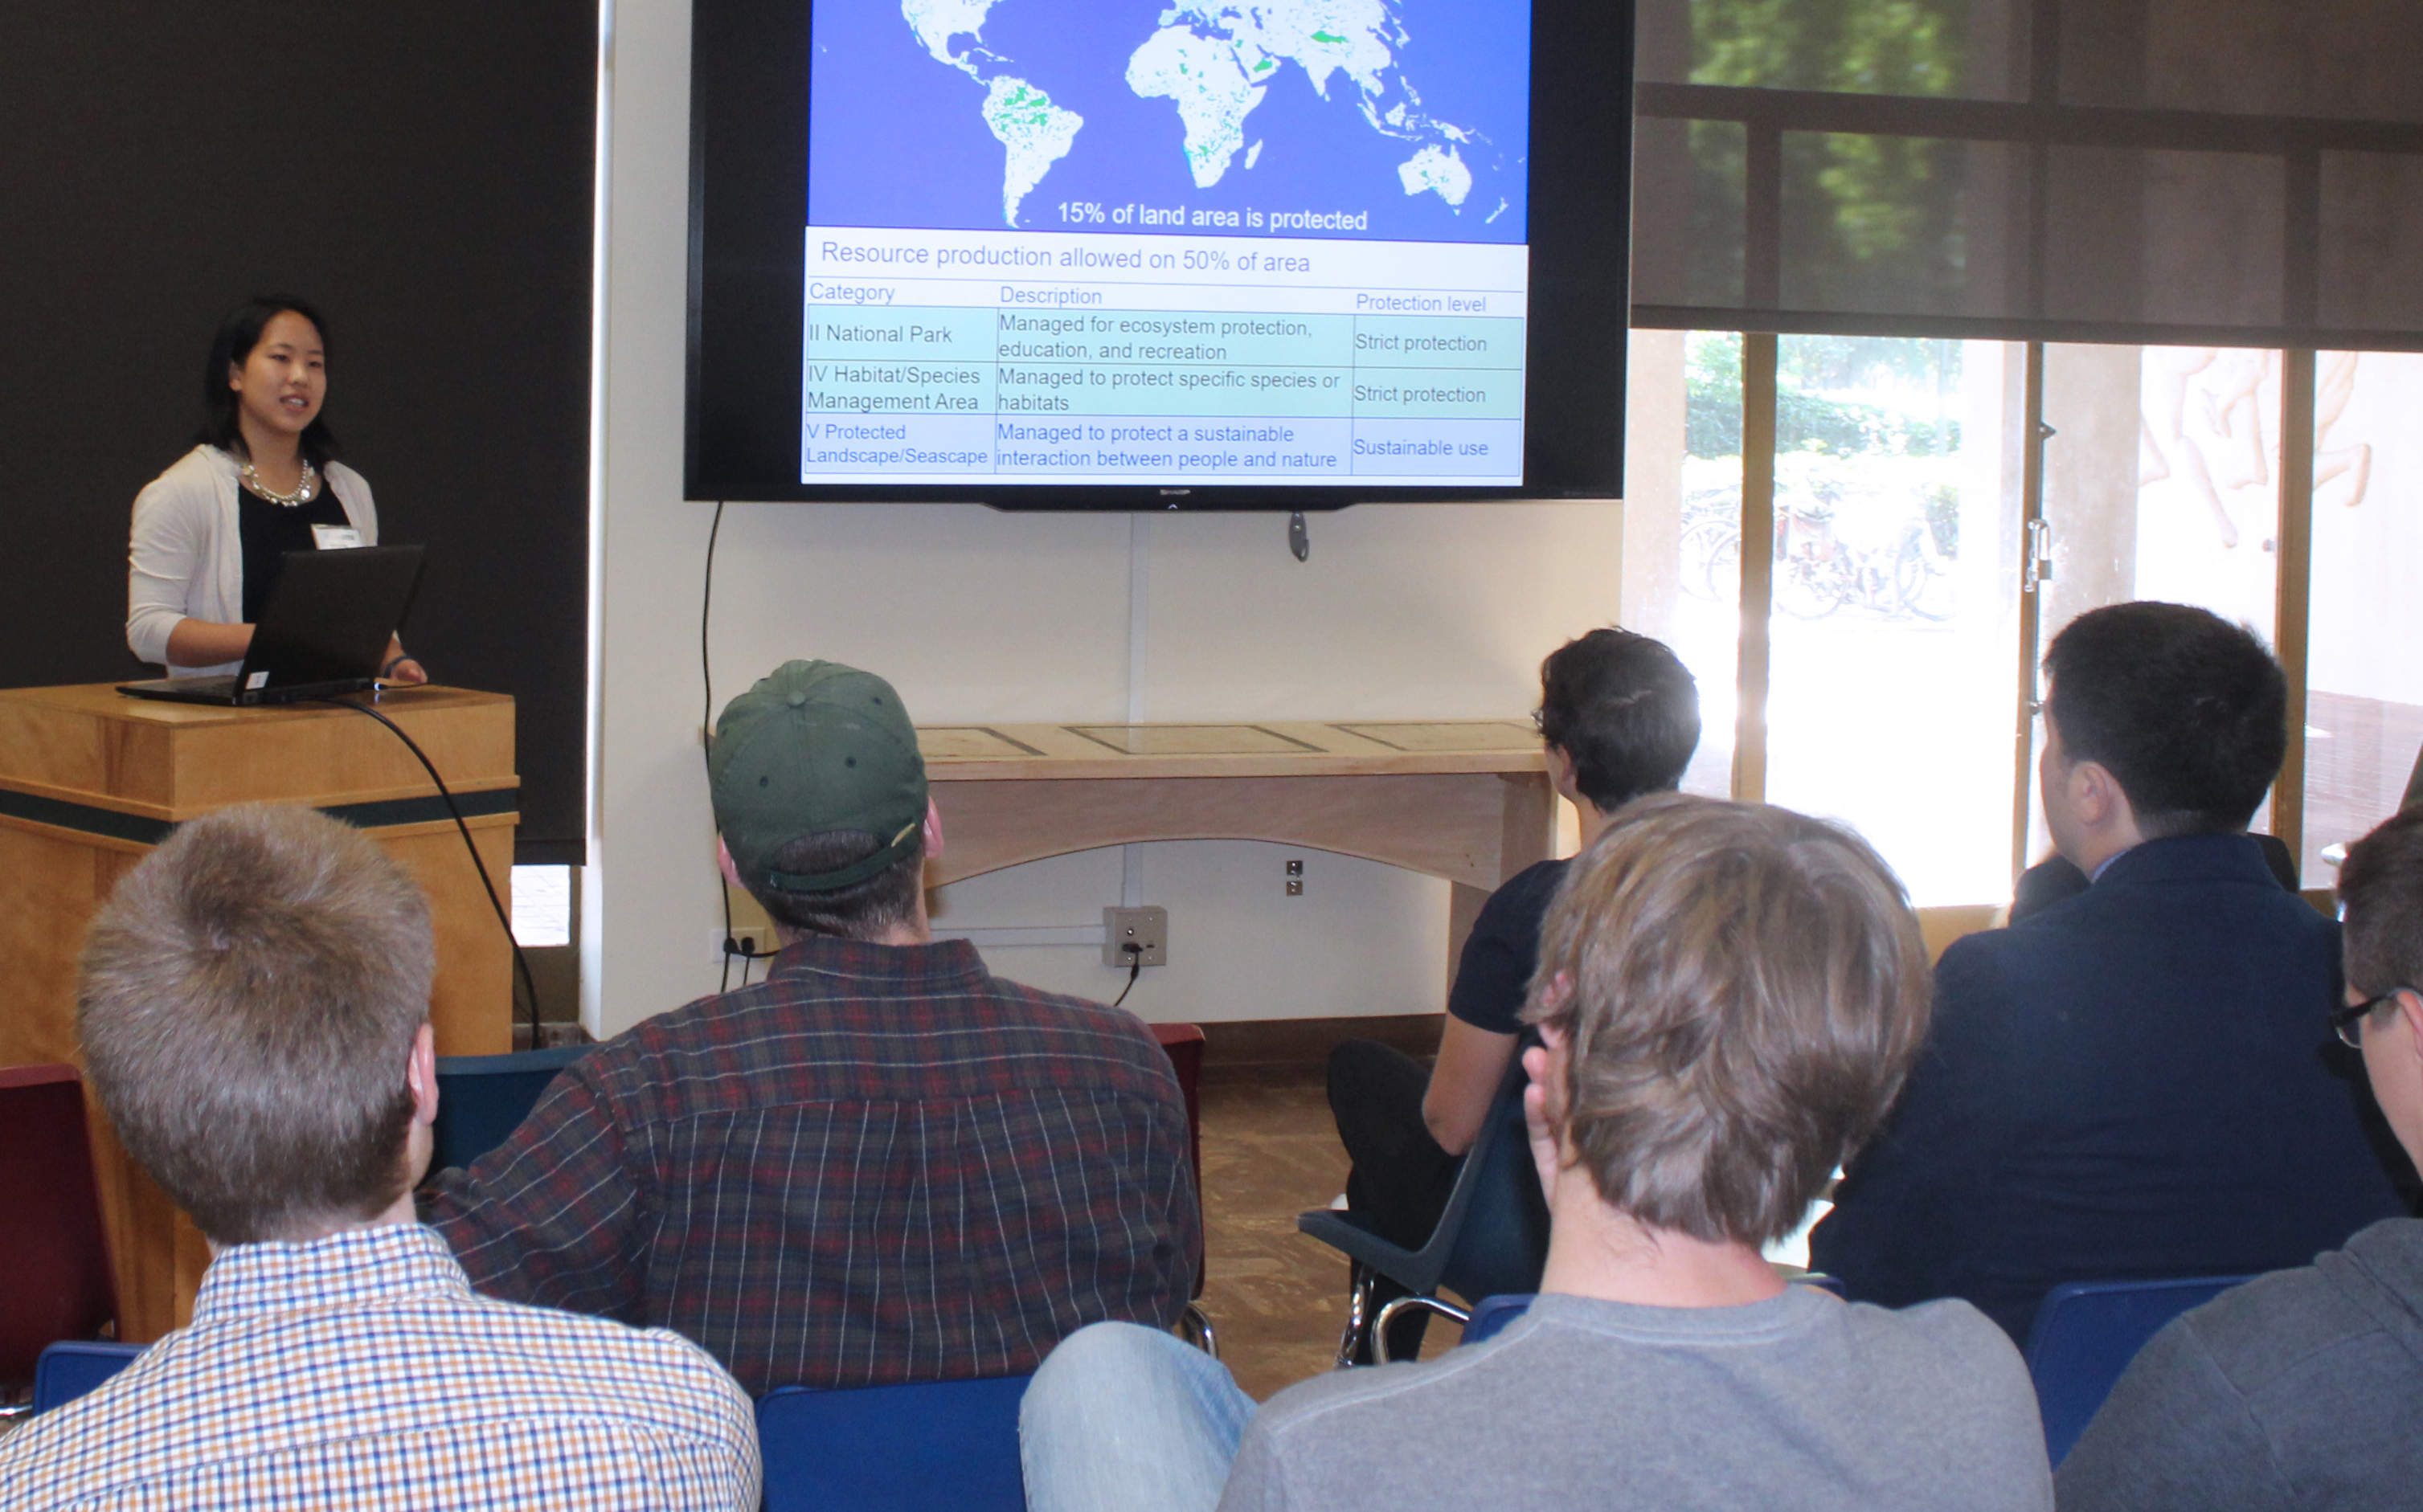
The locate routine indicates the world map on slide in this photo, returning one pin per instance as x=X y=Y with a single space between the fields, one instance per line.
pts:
x=1366 y=119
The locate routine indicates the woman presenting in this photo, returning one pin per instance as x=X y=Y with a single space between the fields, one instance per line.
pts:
x=211 y=534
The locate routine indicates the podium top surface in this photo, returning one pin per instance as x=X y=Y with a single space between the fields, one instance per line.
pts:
x=1249 y=748
x=101 y=700
x=71 y=757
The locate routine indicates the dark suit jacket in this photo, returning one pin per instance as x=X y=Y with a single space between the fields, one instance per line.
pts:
x=2140 y=1081
x=2056 y=878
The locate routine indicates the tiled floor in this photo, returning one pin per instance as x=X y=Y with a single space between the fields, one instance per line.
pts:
x=1276 y=1297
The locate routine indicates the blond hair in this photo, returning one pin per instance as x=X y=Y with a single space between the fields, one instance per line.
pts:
x=248 y=1004
x=1741 y=990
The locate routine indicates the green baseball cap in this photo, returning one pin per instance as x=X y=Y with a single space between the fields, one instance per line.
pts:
x=815 y=747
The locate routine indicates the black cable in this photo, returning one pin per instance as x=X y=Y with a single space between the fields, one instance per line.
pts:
x=707 y=727
x=521 y=963
x=732 y=946
x=1135 y=969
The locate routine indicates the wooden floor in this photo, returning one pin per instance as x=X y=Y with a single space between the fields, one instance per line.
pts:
x=1276 y=1297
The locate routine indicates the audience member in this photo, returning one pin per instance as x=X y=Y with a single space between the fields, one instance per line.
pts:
x=881 y=1164
x=253 y=1008
x=2299 y=1390
x=2135 y=1082
x=1619 y=717
x=1727 y=996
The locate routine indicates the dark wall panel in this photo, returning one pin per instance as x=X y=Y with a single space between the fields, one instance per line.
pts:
x=423 y=171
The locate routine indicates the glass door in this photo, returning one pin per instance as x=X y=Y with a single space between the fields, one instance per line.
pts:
x=1894 y=622
x=2364 y=707
x=2161 y=482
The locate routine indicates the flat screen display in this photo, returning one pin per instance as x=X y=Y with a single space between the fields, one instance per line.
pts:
x=1064 y=252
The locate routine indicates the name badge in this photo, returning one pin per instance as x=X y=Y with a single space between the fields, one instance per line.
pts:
x=336 y=537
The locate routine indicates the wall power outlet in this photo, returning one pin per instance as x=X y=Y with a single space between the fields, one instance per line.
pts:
x=1148 y=929
x=753 y=940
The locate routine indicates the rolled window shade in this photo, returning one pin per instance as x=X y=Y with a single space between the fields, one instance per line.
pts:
x=2240 y=171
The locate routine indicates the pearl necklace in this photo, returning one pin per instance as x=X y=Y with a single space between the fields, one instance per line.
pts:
x=303 y=490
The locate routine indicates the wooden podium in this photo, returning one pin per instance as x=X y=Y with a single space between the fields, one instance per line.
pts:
x=91 y=780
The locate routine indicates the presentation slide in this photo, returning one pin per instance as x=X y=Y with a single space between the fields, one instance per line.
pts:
x=1131 y=242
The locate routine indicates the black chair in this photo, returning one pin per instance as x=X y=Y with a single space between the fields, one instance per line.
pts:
x=484 y=1098
x=1491 y=1239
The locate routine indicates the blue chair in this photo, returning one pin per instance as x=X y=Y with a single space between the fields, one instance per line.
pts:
x=483 y=1099
x=927 y=1446
x=2086 y=1332
x=1491 y=1239
x=1490 y=1314
x=68 y=1370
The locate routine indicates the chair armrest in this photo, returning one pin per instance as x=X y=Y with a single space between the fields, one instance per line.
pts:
x=1340 y=1232
x=1388 y=1316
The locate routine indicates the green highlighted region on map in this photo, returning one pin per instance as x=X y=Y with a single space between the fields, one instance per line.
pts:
x=1035 y=133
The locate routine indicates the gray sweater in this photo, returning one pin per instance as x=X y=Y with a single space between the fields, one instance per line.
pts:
x=1797 y=1404
x=2300 y=1389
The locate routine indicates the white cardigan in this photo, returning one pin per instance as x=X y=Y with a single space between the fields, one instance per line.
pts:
x=184 y=557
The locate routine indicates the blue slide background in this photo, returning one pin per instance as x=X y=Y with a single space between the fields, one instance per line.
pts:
x=897 y=138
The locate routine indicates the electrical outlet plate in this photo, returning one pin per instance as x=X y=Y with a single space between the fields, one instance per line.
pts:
x=1147 y=929
x=748 y=938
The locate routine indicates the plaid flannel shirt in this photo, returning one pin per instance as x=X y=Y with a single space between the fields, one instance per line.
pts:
x=881 y=1164
x=361 y=1371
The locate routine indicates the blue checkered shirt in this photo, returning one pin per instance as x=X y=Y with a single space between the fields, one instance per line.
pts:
x=360 y=1370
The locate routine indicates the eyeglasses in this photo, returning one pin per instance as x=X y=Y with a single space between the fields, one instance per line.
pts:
x=2347 y=1023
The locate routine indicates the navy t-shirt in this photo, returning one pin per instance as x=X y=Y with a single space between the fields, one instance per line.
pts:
x=1503 y=950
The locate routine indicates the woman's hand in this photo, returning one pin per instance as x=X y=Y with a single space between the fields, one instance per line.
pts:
x=400 y=668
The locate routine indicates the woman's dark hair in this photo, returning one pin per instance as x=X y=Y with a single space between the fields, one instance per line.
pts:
x=238 y=335
x=1625 y=709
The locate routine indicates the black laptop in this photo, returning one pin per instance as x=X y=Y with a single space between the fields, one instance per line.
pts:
x=325 y=630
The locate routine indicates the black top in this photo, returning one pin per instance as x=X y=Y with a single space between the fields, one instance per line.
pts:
x=270 y=530
x=1503 y=950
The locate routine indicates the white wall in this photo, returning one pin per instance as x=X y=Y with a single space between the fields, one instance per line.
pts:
x=1410 y=611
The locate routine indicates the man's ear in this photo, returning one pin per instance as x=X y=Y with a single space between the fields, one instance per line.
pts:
x=723 y=864
x=421 y=1074
x=2093 y=791
x=2410 y=1007
x=2113 y=813
x=1540 y=1122
x=1553 y=996
x=933 y=830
